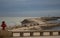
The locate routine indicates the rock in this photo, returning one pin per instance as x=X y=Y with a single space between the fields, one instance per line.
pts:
x=5 y=33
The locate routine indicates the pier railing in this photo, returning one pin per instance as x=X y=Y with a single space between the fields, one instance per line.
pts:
x=31 y=33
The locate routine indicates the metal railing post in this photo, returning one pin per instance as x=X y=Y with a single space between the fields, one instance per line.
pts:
x=21 y=34
x=41 y=33
x=51 y=33
x=31 y=33
x=58 y=33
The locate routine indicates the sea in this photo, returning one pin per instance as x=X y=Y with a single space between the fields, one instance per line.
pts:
x=11 y=21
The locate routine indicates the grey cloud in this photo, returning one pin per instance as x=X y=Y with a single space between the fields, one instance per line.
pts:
x=27 y=7
x=13 y=3
x=31 y=2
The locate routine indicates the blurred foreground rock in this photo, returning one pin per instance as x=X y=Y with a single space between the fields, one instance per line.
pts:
x=5 y=33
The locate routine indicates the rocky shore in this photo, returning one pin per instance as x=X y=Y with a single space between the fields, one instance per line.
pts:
x=41 y=23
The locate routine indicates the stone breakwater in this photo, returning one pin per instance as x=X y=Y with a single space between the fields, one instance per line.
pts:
x=41 y=23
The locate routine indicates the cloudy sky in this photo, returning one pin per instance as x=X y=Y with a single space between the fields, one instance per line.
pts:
x=29 y=8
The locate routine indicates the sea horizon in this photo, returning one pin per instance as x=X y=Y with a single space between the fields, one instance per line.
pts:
x=13 y=20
